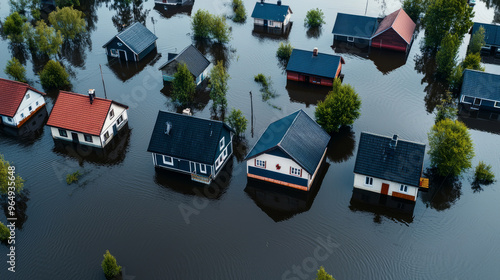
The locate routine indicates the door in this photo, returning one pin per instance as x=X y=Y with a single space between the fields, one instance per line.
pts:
x=123 y=54
x=192 y=166
x=115 y=131
x=75 y=137
x=385 y=189
x=265 y=22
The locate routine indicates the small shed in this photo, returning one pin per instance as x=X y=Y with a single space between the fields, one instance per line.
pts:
x=289 y=152
x=131 y=44
x=271 y=15
x=389 y=166
x=195 y=61
x=354 y=29
x=314 y=67
x=395 y=32
x=18 y=102
x=480 y=92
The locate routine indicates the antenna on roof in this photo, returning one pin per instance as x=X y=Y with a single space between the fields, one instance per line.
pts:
x=394 y=142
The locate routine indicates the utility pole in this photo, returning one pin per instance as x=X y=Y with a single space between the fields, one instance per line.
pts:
x=103 y=85
x=251 y=113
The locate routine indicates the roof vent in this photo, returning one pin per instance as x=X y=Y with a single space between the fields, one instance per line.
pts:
x=187 y=111
x=394 y=142
x=315 y=51
x=91 y=95
x=168 y=127
x=279 y=2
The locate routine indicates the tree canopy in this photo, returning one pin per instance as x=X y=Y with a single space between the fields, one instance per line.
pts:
x=13 y=27
x=68 y=21
x=218 y=86
x=414 y=8
x=477 y=41
x=183 y=85
x=237 y=121
x=110 y=266
x=446 y=57
x=9 y=174
x=47 y=40
x=240 y=14
x=16 y=70
x=323 y=275
x=54 y=75
x=208 y=26
x=314 y=18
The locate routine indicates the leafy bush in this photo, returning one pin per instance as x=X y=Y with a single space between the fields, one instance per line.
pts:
x=6 y=177
x=314 y=18
x=110 y=267
x=477 y=41
x=16 y=70
x=237 y=121
x=53 y=75
x=73 y=177
x=68 y=21
x=260 y=78
x=483 y=174
x=208 y=26
x=4 y=232
x=323 y=275
x=183 y=85
x=240 y=14
x=12 y=27
x=284 y=51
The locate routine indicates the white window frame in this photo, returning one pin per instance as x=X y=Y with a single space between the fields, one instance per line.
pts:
x=222 y=143
x=106 y=136
x=119 y=120
x=85 y=136
x=203 y=168
x=114 y=52
x=403 y=188
x=270 y=22
x=260 y=163
x=224 y=154
x=497 y=104
x=166 y=161
x=350 y=39
x=218 y=162
x=295 y=171
x=368 y=181
x=111 y=113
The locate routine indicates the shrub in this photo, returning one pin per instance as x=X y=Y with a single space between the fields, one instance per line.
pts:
x=323 y=275
x=314 y=18
x=483 y=173
x=53 y=75
x=6 y=173
x=184 y=86
x=110 y=267
x=208 y=26
x=73 y=177
x=260 y=78
x=4 y=232
x=240 y=14
x=12 y=27
x=284 y=51
x=16 y=70
x=237 y=121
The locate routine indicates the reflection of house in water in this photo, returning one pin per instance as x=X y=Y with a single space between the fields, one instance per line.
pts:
x=281 y=204
x=308 y=94
x=381 y=205
x=124 y=70
x=31 y=130
x=481 y=121
x=169 y=11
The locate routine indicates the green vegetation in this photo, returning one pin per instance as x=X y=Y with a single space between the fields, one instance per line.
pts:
x=208 y=26
x=477 y=41
x=340 y=107
x=240 y=14
x=54 y=75
x=8 y=174
x=12 y=27
x=483 y=174
x=323 y=275
x=24 y=6
x=218 y=86
x=183 y=85
x=220 y=30
x=110 y=267
x=68 y=21
x=451 y=147
x=414 y=8
x=447 y=109
x=15 y=70
x=266 y=91
x=260 y=78
x=237 y=121
x=73 y=177
x=446 y=57
x=314 y=18
x=4 y=232
x=284 y=51
x=67 y=3
x=46 y=39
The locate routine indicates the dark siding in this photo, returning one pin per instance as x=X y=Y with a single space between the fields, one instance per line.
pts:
x=182 y=165
x=114 y=45
x=277 y=176
x=147 y=51
x=390 y=39
x=227 y=138
x=358 y=42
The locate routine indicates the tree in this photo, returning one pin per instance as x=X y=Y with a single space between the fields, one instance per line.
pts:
x=68 y=21
x=16 y=70
x=314 y=18
x=218 y=84
x=446 y=16
x=110 y=267
x=8 y=174
x=4 y=232
x=47 y=40
x=340 y=107
x=201 y=24
x=67 y=3
x=451 y=148
x=414 y=8
x=237 y=121
x=483 y=174
x=472 y=61
x=284 y=51
x=22 y=6
x=220 y=30
x=183 y=85
x=12 y=27
x=322 y=275
x=240 y=14
x=54 y=75
x=477 y=41
x=447 y=109
x=446 y=57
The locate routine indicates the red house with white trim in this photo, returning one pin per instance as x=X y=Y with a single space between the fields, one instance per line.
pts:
x=395 y=32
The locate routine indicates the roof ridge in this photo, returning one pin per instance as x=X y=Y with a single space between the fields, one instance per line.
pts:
x=389 y=137
x=288 y=130
x=83 y=95
x=175 y=113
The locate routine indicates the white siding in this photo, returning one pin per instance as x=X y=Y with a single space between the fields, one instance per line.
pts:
x=359 y=182
x=24 y=108
x=285 y=163
x=287 y=18
x=81 y=138
x=109 y=122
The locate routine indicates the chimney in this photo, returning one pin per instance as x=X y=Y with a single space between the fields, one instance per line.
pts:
x=261 y=2
x=315 y=51
x=168 y=127
x=91 y=95
x=394 y=142
x=279 y=2
x=187 y=111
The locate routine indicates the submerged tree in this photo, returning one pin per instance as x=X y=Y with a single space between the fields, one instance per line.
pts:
x=240 y=14
x=13 y=27
x=110 y=266
x=183 y=85
x=477 y=41
x=446 y=57
x=323 y=275
x=314 y=18
x=237 y=121
x=218 y=86
x=284 y=51
x=54 y=75
x=16 y=70
x=483 y=174
x=46 y=39
x=68 y=21
x=220 y=30
x=9 y=177
x=414 y=8
x=201 y=24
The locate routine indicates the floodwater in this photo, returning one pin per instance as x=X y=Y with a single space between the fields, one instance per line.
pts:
x=160 y=225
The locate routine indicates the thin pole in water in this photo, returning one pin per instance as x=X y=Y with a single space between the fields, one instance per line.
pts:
x=103 y=85
x=251 y=113
x=366 y=8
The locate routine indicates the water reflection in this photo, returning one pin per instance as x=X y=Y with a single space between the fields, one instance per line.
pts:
x=20 y=52
x=480 y=120
x=314 y=32
x=443 y=192
x=218 y=52
x=168 y=11
x=425 y=63
x=21 y=200
x=263 y=33
x=393 y=208
x=113 y=153
x=281 y=203
x=31 y=131
x=74 y=51
x=127 y=14
x=306 y=93
x=124 y=70
x=240 y=148
x=341 y=146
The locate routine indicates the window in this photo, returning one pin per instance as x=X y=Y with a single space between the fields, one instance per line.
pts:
x=114 y=52
x=27 y=96
x=168 y=160
x=9 y=119
x=88 y=138
x=403 y=188
x=316 y=80
x=63 y=133
x=224 y=154
x=218 y=163
x=497 y=104
x=350 y=39
x=260 y=163
x=31 y=109
x=369 y=181
x=203 y=168
x=36 y=103
x=119 y=120
x=106 y=136
x=22 y=115
x=295 y=171
x=221 y=144
x=270 y=22
x=111 y=113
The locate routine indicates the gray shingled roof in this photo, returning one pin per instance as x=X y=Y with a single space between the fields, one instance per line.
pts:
x=355 y=26
x=491 y=33
x=298 y=136
x=270 y=11
x=323 y=65
x=190 y=138
x=137 y=37
x=376 y=159
x=481 y=84
x=196 y=62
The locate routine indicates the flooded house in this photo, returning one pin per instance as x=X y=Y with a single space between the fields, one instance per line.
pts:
x=131 y=44
x=390 y=166
x=289 y=152
x=191 y=145
x=314 y=67
x=86 y=119
x=195 y=61
x=491 y=37
x=172 y=2
x=271 y=16
x=479 y=93
x=354 y=29
x=18 y=102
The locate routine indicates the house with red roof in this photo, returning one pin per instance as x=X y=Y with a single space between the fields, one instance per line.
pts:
x=86 y=119
x=18 y=102
x=394 y=32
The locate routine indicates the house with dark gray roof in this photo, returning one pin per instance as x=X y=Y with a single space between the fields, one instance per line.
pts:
x=354 y=29
x=313 y=67
x=289 y=152
x=389 y=166
x=195 y=61
x=271 y=15
x=491 y=35
x=480 y=92
x=190 y=145
x=131 y=44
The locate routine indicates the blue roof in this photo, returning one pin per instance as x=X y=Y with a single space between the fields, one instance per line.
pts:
x=491 y=33
x=376 y=158
x=136 y=37
x=270 y=11
x=297 y=135
x=481 y=84
x=323 y=65
x=355 y=26
x=195 y=61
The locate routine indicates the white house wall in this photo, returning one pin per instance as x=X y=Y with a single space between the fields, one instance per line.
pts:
x=287 y=18
x=109 y=122
x=24 y=108
x=285 y=164
x=359 y=182
x=96 y=142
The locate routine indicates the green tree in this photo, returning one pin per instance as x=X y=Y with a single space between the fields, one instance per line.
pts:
x=110 y=267
x=483 y=174
x=446 y=16
x=68 y=21
x=9 y=177
x=24 y=6
x=220 y=30
x=240 y=14
x=451 y=148
x=455 y=78
x=54 y=75
x=237 y=121
x=323 y=275
x=4 y=232
x=284 y=51
x=314 y=18
x=183 y=85
x=16 y=70
x=414 y=8
x=201 y=24
x=67 y=3
x=446 y=57
x=47 y=40
x=340 y=107
x=12 y=27
x=218 y=86
x=472 y=61
x=477 y=41
x=447 y=109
